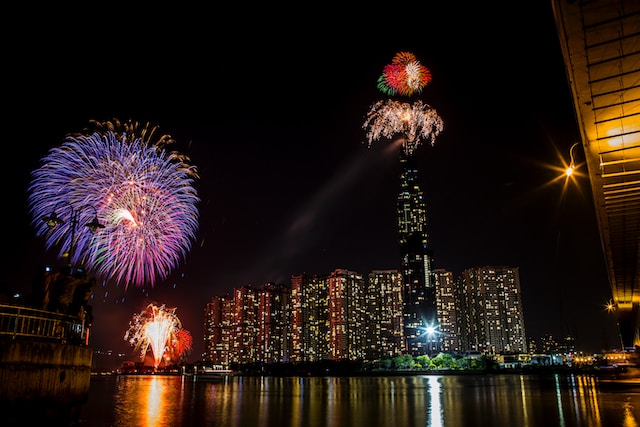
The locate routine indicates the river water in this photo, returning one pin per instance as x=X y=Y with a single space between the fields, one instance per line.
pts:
x=391 y=401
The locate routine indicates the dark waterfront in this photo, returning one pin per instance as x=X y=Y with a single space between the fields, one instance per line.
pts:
x=413 y=400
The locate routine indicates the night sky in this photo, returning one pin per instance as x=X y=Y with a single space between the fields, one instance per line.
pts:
x=270 y=109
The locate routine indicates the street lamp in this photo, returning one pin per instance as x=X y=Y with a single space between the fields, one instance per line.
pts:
x=572 y=164
x=610 y=306
x=52 y=220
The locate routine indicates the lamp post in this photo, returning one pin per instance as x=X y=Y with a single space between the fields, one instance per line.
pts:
x=572 y=163
x=53 y=220
x=612 y=307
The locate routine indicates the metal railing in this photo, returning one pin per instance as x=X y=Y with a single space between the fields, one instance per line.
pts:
x=20 y=322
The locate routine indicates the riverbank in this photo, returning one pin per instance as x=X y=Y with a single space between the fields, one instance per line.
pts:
x=343 y=369
x=351 y=369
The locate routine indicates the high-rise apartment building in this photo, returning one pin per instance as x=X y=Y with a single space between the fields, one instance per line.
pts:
x=218 y=322
x=492 y=310
x=480 y=310
x=249 y=326
x=347 y=314
x=385 y=324
x=448 y=301
x=244 y=345
x=273 y=326
x=417 y=258
x=309 y=318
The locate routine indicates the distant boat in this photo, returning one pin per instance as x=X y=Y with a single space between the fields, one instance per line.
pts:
x=213 y=373
x=623 y=375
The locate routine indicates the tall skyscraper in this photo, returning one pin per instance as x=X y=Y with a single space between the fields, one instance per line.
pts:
x=417 y=259
x=409 y=125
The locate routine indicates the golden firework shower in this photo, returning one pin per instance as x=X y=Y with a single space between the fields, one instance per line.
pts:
x=158 y=329
x=409 y=123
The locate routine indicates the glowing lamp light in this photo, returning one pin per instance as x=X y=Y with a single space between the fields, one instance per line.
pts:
x=570 y=169
x=52 y=220
x=94 y=225
x=610 y=306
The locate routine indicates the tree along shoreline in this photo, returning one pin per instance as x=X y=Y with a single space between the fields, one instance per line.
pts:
x=482 y=366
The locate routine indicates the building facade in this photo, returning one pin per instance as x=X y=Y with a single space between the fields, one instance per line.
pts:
x=448 y=301
x=417 y=258
x=491 y=312
x=385 y=331
x=309 y=318
x=347 y=315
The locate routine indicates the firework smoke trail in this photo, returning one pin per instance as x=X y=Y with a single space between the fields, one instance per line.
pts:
x=159 y=329
x=142 y=194
x=401 y=121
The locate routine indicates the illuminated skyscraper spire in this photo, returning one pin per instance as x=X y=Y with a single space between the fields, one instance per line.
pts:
x=417 y=259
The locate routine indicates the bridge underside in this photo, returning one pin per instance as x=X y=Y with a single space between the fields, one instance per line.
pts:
x=600 y=41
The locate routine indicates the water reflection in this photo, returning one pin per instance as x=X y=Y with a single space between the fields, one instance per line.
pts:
x=155 y=400
x=450 y=400
x=435 y=405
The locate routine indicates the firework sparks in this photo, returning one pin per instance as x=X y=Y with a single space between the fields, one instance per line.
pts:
x=409 y=123
x=404 y=76
x=157 y=328
x=180 y=342
x=141 y=194
x=149 y=134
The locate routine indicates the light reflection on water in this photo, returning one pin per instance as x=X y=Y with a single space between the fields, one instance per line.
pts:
x=431 y=401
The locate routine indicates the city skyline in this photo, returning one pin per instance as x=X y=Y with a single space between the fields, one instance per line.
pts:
x=347 y=315
x=288 y=184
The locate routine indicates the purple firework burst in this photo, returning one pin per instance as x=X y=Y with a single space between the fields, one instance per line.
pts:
x=142 y=195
